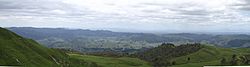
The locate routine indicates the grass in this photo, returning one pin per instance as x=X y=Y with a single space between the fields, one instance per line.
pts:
x=200 y=64
x=16 y=50
x=112 y=62
x=209 y=55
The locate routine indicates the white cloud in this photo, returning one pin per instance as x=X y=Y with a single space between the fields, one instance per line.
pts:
x=145 y=15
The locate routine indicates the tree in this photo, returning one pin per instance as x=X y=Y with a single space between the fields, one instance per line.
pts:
x=168 y=44
x=223 y=61
x=235 y=60
x=188 y=59
x=243 y=59
x=173 y=63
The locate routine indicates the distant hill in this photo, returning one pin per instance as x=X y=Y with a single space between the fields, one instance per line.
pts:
x=62 y=33
x=89 y=40
x=83 y=40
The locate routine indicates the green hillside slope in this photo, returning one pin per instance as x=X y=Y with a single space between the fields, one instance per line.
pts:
x=210 y=55
x=16 y=50
x=195 y=55
x=163 y=54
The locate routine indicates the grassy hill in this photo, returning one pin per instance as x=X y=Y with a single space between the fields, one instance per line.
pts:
x=16 y=50
x=163 y=54
x=112 y=62
x=210 y=55
x=195 y=55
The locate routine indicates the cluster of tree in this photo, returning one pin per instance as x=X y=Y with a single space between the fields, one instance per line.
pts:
x=109 y=54
x=236 y=60
x=161 y=55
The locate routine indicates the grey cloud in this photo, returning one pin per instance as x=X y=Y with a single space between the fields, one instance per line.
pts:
x=40 y=8
x=193 y=12
x=7 y=5
x=137 y=6
x=198 y=15
x=154 y=4
x=180 y=9
x=183 y=15
x=151 y=11
x=245 y=6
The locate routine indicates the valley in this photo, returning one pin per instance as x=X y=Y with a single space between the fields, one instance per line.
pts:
x=21 y=51
x=100 y=40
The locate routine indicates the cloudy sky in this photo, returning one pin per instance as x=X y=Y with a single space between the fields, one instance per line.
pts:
x=129 y=15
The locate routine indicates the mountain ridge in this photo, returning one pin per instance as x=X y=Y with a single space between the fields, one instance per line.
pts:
x=61 y=37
